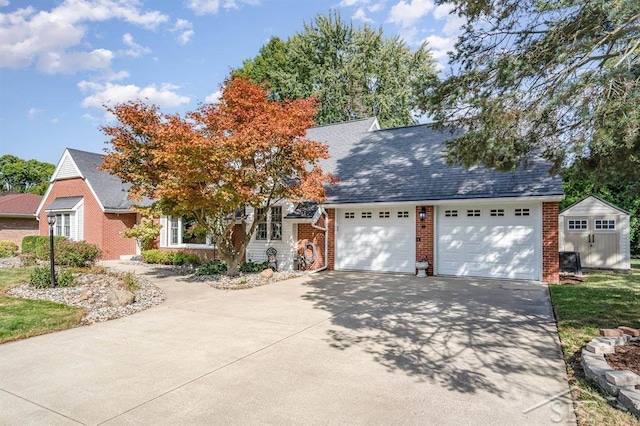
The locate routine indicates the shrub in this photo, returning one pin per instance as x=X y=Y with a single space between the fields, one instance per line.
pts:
x=252 y=267
x=34 y=243
x=157 y=257
x=144 y=233
x=76 y=254
x=180 y=258
x=27 y=259
x=8 y=249
x=41 y=277
x=214 y=267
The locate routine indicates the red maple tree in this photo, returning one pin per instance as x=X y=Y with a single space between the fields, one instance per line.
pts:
x=211 y=164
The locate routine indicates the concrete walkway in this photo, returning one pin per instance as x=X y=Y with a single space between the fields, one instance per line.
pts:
x=336 y=348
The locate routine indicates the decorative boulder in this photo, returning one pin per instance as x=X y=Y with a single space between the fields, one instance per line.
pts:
x=120 y=298
x=267 y=273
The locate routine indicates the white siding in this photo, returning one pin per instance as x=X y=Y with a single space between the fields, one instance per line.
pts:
x=164 y=231
x=590 y=206
x=625 y=242
x=80 y=222
x=67 y=169
x=287 y=247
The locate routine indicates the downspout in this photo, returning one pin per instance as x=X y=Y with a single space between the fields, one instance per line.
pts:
x=326 y=240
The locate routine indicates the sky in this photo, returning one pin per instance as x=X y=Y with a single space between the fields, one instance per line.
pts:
x=61 y=61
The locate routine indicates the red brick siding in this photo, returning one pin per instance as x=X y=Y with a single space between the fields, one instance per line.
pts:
x=550 y=259
x=15 y=229
x=424 y=237
x=306 y=232
x=331 y=226
x=105 y=231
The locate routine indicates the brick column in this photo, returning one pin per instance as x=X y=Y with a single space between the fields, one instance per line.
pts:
x=331 y=250
x=550 y=243
x=424 y=236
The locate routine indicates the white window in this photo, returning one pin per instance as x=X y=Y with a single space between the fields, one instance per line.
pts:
x=383 y=215
x=473 y=213
x=451 y=213
x=522 y=212
x=63 y=225
x=576 y=224
x=174 y=231
x=608 y=224
x=497 y=212
x=349 y=215
x=186 y=231
x=366 y=215
x=403 y=214
x=271 y=227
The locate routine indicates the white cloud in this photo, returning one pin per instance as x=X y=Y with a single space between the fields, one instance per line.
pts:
x=135 y=49
x=407 y=14
x=376 y=7
x=185 y=30
x=100 y=94
x=54 y=120
x=33 y=112
x=47 y=38
x=360 y=15
x=214 y=97
x=4 y=3
x=211 y=7
x=440 y=46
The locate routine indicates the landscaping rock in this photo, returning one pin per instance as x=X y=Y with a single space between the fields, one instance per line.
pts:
x=622 y=378
x=120 y=298
x=267 y=273
x=631 y=400
x=599 y=348
x=611 y=332
x=630 y=331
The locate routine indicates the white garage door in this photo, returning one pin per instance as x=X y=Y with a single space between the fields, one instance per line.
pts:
x=381 y=240
x=498 y=241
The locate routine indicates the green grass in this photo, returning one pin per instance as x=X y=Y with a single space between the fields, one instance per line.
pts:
x=22 y=318
x=602 y=301
x=635 y=263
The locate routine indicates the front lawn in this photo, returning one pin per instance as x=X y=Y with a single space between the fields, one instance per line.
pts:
x=601 y=301
x=22 y=318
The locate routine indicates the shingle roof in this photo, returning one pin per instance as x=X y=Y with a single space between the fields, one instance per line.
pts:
x=305 y=210
x=19 y=204
x=110 y=190
x=63 y=203
x=406 y=164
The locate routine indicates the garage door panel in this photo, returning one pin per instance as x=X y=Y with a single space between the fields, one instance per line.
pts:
x=385 y=244
x=485 y=246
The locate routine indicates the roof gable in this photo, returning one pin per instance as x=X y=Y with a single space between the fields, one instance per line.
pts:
x=592 y=205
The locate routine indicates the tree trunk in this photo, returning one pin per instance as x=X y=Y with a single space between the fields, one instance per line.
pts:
x=232 y=267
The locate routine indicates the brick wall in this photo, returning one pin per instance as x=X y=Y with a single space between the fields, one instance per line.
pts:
x=331 y=226
x=15 y=229
x=424 y=237
x=550 y=259
x=105 y=231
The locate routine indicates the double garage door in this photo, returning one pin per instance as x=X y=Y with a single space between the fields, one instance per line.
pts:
x=481 y=241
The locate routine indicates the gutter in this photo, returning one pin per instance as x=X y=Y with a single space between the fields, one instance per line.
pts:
x=326 y=241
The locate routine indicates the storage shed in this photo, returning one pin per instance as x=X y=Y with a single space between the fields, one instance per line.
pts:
x=599 y=231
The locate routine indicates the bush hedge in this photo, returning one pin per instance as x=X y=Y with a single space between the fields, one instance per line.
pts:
x=76 y=253
x=41 y=277
x=156 y=256
x=8 y=248
x=38 y=245
x=213 y=267
x=252 y=267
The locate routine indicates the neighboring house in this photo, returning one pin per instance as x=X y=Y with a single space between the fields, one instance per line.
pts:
x=89 y=204
x=599 y=231
x=396 y=201
x=18 y=216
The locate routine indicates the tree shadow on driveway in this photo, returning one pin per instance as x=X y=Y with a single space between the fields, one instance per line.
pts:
x=466 y=335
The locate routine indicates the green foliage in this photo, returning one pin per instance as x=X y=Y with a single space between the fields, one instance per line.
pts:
x=353 y=72
x=8 y=249
x=41 y=277
x=160 y=257
x=27 y=259
x=144 y=233
x=252 y=267
x=560 y=78
x=214 y=267
x=18 y=175
x=75 y=253
x=38 y=245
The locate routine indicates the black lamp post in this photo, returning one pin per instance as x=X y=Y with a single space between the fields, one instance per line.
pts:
x=51 y=220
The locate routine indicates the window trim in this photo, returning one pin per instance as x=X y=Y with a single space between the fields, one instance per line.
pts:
x=582 y=221
x=609 y=223
x=170 y=220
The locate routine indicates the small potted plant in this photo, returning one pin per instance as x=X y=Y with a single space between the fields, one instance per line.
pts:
x=421 y=265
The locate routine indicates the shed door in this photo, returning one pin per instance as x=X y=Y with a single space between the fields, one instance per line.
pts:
x=375 y=239
x=597 y=238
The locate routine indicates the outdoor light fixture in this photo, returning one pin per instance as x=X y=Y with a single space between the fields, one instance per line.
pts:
x=51 y=220
x=423 y=213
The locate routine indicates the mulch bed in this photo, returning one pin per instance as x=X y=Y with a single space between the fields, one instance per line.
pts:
x=627 y=357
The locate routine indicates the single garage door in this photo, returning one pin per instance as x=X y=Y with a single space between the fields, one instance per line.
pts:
x=381 y=240
x=498 y=241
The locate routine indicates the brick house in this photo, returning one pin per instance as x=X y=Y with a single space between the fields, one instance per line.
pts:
x=396 y=201
x=18 y=216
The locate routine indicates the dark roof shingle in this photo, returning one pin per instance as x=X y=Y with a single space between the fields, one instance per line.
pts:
x=19 y=204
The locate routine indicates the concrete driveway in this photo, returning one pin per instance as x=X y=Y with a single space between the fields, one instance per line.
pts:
x=336 y=348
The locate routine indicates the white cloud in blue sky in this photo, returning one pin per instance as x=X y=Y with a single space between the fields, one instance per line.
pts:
x=62 y=61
